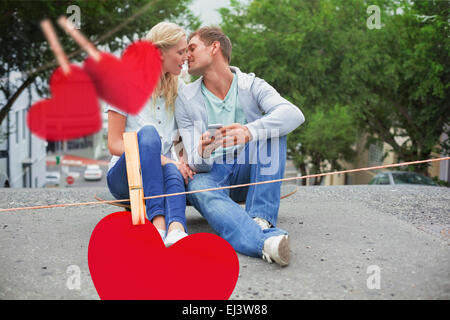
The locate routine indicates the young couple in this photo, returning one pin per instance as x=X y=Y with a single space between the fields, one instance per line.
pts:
x=250 y=146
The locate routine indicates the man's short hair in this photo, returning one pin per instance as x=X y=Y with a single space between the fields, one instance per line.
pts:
x=210 y=34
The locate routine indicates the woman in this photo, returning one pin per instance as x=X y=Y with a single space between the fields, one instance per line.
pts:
x=156 y=128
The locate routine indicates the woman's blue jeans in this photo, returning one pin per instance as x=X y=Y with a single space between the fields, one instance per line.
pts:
x=262 y=161
x=156 y=180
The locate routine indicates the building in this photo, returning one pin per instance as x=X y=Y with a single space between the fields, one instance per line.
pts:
x=22 y=155
x=92 y=146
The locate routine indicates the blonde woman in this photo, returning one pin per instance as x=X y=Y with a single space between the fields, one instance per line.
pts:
x=156 y=127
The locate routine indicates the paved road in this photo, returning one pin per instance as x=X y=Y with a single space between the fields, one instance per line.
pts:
x=338 y=235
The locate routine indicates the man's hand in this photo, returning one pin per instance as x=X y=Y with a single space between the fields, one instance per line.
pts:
x=227 y=136
x=234 y=134
x=209 y=143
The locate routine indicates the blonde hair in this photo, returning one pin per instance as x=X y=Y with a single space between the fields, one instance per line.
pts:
x=165 y=35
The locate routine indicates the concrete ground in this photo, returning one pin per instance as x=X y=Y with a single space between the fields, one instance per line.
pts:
x=343 y=239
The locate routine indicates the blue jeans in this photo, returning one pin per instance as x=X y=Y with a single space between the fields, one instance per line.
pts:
x=156 y=180
x=260 y=161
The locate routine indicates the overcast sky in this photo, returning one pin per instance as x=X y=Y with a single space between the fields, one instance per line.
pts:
x=207 y=10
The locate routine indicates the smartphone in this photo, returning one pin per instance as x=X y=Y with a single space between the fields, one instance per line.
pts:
x=213 y=127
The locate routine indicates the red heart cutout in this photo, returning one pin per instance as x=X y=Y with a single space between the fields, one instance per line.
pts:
x=127 y=83
x=131 y=262
x=72 y=112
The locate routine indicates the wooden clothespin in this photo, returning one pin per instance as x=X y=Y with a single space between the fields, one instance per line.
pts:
x=82 y=41
x=58 y=51
x=133 y=165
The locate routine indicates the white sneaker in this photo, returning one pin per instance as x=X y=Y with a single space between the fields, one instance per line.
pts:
x=263 y=223
x=174 y=236
x=277 y=249
x=162 y=233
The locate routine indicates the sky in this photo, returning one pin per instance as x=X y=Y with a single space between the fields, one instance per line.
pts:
x=207 y=10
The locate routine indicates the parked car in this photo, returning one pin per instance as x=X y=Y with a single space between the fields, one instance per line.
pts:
x=93 y=172
x=402 y=177
x=52 y=178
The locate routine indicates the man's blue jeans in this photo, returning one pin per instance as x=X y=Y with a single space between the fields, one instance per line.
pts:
x=260 y=161
x=156 y=180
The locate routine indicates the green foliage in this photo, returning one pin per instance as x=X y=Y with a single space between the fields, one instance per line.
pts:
x=334 y=126
x=392 y=82
x=295 y=46
x=403 y=89
x=441 y=183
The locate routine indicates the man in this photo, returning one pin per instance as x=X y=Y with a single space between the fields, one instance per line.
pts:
x=250 y=147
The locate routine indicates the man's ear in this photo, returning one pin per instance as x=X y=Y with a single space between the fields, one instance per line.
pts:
x=215 y=47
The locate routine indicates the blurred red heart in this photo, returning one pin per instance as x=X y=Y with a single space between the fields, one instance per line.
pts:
x=127 y=83
x=131 y=262
x=72 y=112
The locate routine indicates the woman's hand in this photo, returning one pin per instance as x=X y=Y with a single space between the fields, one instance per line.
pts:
x=183 y=167
x=185 y=170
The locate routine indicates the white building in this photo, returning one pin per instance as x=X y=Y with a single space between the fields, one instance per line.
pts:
x=22 y=155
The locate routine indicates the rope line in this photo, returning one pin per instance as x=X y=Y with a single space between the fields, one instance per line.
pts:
x=228 y=187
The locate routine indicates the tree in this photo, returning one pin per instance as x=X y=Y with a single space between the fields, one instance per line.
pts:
x=393 y=81
x=295 y=46
x=112 y=24
x=399 y=79
x=336 y=127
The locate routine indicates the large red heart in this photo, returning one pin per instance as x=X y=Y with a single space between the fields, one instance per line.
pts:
x=131 y=262
x=72 y=112
x=127 y=83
